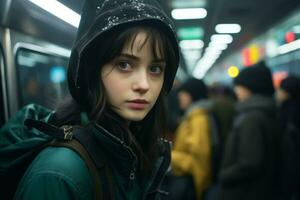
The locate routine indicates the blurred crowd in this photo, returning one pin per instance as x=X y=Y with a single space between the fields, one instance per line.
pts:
x=235 y=142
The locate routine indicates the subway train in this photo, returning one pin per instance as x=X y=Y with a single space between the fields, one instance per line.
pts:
x=34 y=50
x=35 y=46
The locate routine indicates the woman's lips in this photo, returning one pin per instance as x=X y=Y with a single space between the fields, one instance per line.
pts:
x=138 y=104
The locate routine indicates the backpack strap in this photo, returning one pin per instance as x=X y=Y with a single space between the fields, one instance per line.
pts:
x=78 y=148
x=84 y=137
x=64 y=133
x=86 y=146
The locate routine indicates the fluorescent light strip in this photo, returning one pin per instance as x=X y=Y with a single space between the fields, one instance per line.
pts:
x=59 y=10
x=191 y=54
x=289 y=47
x=191 y=44
x=219 y=46
x=221 y=38
x=211 y=54
x=201 y=68
x=187 y=4
x=228 y=28
x=189 y=13
x=204 y=64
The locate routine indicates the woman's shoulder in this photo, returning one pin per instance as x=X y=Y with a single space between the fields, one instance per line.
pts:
x=56 y=166
x=59 y=159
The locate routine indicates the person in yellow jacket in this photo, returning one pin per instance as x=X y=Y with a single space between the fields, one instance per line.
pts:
x=191 y=154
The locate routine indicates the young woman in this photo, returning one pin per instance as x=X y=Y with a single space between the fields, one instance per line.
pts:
x=121 y=67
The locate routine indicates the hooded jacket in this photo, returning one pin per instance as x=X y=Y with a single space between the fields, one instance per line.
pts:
x=60 y=170
x=102 y=16
x=191 y=154
x=60 y=173
x=248 y=162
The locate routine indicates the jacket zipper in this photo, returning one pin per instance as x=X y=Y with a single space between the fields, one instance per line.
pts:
x=129 y=150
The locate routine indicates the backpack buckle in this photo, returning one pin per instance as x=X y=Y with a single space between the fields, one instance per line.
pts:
x=68 y=132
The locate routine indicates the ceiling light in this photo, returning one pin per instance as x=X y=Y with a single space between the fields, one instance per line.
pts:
x=292 y=46
x=59 y=10
x=210 y=56
x=213 y=53
x=191 y=54
x=190 y=33
x=202 y=66
x=189 y=13
x=219 y=46
x=221 y=38
x=188 y=3
x=228 y=28
x=233 y=71
x=191 y=44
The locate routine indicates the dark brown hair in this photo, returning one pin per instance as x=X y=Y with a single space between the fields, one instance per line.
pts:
x=142 y=136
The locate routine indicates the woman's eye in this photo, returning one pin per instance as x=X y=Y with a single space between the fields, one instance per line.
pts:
x=123 y=65
x=156 y=69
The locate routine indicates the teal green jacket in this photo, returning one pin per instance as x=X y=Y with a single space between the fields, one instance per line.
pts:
x=60 y=173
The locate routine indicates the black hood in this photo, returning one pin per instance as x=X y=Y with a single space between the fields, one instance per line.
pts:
x=100 y=16
x=265 y=104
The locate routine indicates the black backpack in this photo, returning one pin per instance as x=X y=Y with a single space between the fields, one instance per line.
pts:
x=22 y=139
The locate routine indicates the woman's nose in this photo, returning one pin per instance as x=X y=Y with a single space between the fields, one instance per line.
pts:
x=141 y=82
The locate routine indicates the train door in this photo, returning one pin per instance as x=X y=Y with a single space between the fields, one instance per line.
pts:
x=2 y=89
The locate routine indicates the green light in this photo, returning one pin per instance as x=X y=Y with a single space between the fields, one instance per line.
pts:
x=188 y=4
x=190 y=33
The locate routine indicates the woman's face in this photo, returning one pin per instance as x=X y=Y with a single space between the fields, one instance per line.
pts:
x=281 y=96
x=134 y=79
x=185 y=100
x=242 y=93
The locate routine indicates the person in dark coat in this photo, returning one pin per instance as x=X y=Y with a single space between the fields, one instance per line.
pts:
x=248 y=162
x=121 y=68
x=288 y=97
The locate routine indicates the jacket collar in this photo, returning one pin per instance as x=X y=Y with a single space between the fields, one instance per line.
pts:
x=257 y=102
x=123 y=158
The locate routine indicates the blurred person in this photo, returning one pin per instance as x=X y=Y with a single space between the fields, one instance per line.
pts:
x=121 y=68
x=288 y=98
x=174 y=113
x=223 y=102
x=223 y=108
x=191 y=154
x=249 y=158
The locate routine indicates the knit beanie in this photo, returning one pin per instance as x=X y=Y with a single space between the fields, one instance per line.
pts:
x=258 y=79
x=195 y=87
x=291 y=85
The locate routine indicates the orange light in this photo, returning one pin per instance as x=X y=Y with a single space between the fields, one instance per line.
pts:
x=251 y=55
x=290 y=37
x=278 y=77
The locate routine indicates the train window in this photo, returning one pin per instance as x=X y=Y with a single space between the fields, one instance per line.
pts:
x=41 y=78
x=2 y=113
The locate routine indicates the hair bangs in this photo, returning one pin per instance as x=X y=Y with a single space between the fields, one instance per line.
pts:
x=153 y=36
